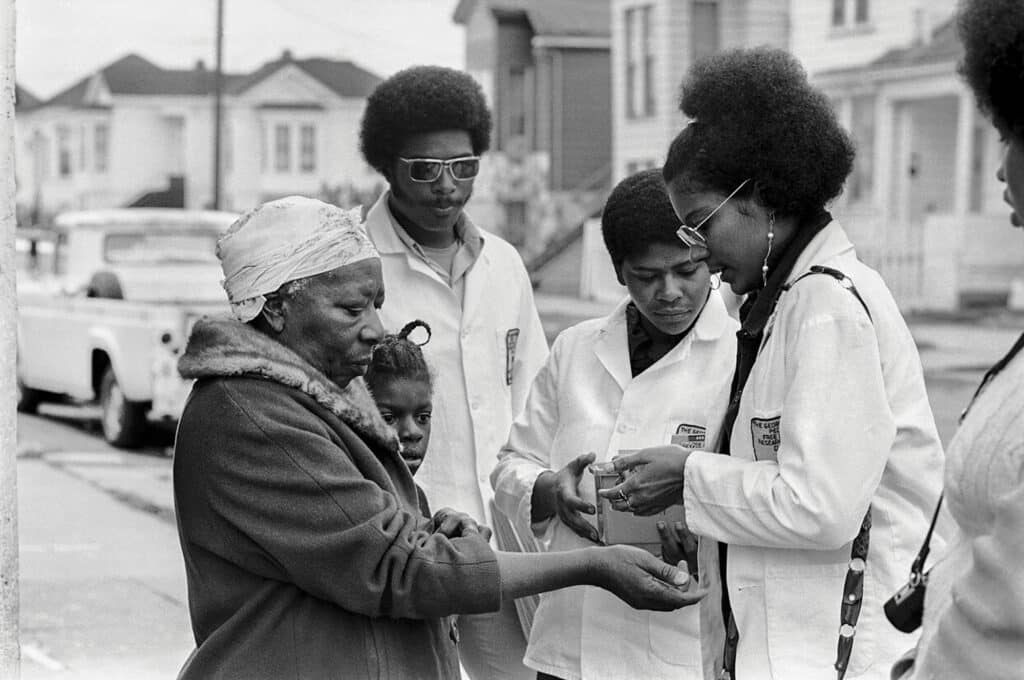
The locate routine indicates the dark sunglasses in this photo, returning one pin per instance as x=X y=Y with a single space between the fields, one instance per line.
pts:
x=430 y=169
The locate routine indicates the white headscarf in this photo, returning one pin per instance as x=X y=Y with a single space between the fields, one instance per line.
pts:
x=284 y=240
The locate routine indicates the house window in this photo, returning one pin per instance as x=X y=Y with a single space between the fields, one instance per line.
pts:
x=639 y=62
x=845 y=10
x=861 y=13
x=838 y=12
x=63 y=151
x=704 y=28
x=100 y=146
x=282 y=148
x=307 y=148
x=81 y=147
x=263 y=146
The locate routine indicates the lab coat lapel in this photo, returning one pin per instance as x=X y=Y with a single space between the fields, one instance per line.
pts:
x=612 y=346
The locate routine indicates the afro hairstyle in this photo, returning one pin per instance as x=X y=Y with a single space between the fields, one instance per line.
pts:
x=637 y=214
x=992 y=32
x=417 y=100
x=755 y=115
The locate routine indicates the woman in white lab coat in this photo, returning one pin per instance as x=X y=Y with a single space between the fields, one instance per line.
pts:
x=833 y=462
x=653 y=369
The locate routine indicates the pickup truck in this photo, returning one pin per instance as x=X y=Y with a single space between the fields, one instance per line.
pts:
x=105 y=320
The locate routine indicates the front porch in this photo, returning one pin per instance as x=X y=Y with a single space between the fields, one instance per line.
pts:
x=923 y=205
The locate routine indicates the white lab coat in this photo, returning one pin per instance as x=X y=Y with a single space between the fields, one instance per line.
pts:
x=483 y=354
x=585 y=399
x=834 y=417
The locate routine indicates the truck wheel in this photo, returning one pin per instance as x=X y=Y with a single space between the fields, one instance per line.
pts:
x=28 y=398
x=123 y=422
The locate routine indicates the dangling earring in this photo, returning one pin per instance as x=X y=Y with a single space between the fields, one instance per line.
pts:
x=771 y=239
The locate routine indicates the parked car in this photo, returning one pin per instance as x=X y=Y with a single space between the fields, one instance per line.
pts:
x=105 y=318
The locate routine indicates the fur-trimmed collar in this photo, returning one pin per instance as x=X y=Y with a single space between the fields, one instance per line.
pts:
x=221 y=348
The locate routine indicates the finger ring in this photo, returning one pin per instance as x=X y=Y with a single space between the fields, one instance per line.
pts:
x=623 y=497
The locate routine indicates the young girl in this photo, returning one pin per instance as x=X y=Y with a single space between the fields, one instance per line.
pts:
x=400 y=381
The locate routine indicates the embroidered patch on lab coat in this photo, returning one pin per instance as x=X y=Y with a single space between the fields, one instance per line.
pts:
x=766 y=437
x=511 y=339
x=689 y=436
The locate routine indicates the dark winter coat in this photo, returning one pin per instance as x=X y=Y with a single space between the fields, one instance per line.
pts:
x=306 y=553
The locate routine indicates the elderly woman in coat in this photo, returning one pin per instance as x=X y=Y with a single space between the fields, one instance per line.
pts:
x=305 y=552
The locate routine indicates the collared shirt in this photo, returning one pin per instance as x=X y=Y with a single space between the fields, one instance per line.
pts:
x=644 y=352
x=471 y=243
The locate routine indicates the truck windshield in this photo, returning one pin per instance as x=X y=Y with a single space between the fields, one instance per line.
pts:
x=196 y=246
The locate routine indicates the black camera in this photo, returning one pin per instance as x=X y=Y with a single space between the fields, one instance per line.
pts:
x=905 y=608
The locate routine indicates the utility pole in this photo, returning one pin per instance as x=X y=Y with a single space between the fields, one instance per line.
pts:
x=9 y=606
x=218 y=105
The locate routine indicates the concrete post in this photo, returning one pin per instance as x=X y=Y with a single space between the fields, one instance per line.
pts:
x=9 y=651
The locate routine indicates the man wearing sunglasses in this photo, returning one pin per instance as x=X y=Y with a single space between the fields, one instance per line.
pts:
x=424 y=130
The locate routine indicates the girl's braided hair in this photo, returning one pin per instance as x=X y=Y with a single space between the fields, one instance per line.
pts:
x=396 y=356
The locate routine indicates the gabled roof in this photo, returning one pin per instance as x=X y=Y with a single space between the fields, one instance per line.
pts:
x=944 y=46
x=24 y=100
x=135 y=75
x=342 y=77
x=549 y=17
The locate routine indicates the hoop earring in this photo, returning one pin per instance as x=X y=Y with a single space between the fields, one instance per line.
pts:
x=771 y=239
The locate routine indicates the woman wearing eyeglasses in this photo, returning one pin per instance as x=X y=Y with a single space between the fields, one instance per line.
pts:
x=829 y=463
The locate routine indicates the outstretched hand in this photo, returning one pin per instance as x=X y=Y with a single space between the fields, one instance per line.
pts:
x=643 y=581
x=653 y=480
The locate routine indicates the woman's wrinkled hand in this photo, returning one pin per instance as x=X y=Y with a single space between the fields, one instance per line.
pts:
x=454 y=524
x=643 y=581
x=653 y=480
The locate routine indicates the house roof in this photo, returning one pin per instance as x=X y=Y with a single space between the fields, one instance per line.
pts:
x=135 y=75
x=24 y=100
x=944 y=46
x=549 y=17
x=342 y=77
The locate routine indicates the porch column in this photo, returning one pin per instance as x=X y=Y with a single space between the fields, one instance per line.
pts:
x=883 y=152
x=964 y=154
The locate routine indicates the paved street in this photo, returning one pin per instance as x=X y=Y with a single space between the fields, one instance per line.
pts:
x=102 y=581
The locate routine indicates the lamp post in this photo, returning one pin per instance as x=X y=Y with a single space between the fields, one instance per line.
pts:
x=218 y=105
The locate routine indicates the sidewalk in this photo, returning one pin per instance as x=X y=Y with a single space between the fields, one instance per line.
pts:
x=102 y=584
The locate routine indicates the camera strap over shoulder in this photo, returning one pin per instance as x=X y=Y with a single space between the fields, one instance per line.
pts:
x=853 y=587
